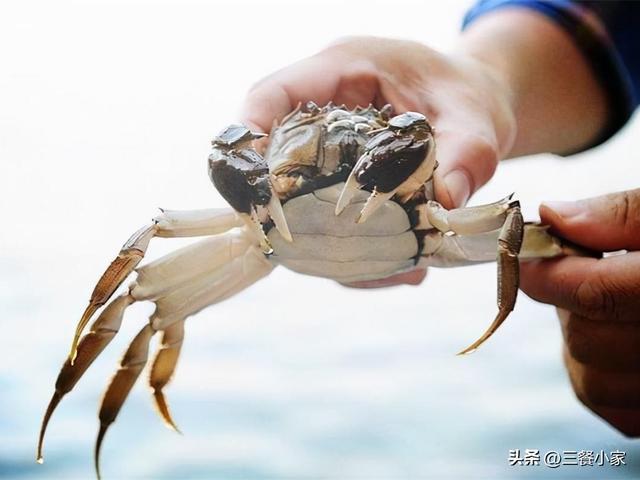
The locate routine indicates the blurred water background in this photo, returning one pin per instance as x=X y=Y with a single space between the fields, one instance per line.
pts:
x=107 y=112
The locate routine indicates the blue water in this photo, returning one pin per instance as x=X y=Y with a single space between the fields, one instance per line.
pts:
x=316 y=393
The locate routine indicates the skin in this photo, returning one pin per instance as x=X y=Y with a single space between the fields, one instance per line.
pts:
x=598 y=302
x=489 y=101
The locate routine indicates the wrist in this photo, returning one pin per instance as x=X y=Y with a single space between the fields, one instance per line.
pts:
x=551 y=87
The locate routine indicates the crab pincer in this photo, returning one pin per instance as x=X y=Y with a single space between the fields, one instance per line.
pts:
x=242 y=177
x=130 y=255
x=398 y=160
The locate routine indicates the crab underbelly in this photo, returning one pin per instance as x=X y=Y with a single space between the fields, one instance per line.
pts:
x=337 y=247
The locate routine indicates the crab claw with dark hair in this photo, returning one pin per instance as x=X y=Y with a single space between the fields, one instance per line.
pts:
x=398 y=160
x=242 y=177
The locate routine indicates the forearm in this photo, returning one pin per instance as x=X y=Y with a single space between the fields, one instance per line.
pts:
x=559 y=105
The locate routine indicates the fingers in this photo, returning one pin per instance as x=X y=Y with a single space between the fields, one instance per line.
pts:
x=625 y=420
x=276 y=95
x=607 y=223
x=327 y=76
x=599 y=289
x=474 y=124
x=603 y=363
x=606 y=346
x=602 y=327
x=613 y=396
x=466 y=163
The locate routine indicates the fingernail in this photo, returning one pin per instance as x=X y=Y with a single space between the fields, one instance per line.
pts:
x=565 y=209
x=458 y=187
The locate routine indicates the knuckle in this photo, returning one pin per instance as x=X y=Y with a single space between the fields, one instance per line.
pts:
x=256 y=89
x=626 y=208
x=577 y=340
x=590 y=388
x=482 y=157
x=483 y=148
x=595 y=298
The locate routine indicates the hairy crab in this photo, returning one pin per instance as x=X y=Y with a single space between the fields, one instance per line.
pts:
x=342 y=194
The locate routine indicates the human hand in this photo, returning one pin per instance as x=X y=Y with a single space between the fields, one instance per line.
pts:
x=463 y=100
x=598 y=302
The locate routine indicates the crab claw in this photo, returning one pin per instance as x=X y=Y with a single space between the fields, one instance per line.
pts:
x=351 y=187
x=397 y=161
x=275 y=211
x=252 y=220
x=130 y=255
x=242 y=177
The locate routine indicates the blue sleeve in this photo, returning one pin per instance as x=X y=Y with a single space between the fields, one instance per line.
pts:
x=607 y=34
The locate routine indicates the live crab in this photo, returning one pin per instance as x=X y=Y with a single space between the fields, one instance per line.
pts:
x=342 y=194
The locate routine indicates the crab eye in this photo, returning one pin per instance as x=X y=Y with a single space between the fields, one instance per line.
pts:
x=407 y=120
x=231 y=135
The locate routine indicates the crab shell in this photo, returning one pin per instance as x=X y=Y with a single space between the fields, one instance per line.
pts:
x=315 y=147
x=310 y=155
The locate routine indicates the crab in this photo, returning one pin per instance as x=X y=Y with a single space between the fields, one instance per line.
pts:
x=342 y=194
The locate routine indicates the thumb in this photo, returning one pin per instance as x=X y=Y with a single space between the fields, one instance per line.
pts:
x=467 y=161
x=607 y=223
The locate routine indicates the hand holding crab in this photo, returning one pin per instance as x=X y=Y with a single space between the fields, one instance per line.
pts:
x=598 y=303
x=468 y=103
x=342 y=194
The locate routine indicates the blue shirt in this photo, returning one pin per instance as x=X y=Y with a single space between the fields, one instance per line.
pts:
x=608 y=35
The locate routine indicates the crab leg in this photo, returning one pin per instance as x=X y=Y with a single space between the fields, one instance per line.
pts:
x=468 y=220
x=164 y=366
x=131 y=365
x=130 y=255
x=471 y=238
x=469 y=235
x=244 y=264
x=168 y=224
x=182 y=267
x=101 y=333
x=509 y=244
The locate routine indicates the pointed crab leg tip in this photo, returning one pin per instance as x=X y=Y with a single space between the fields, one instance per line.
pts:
x=163 y=410
x=84 y=320
x=467 y=351
x=96 y=455
x=500 y=317
x=475 y=345
x=53 y=403
x=170 y=424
